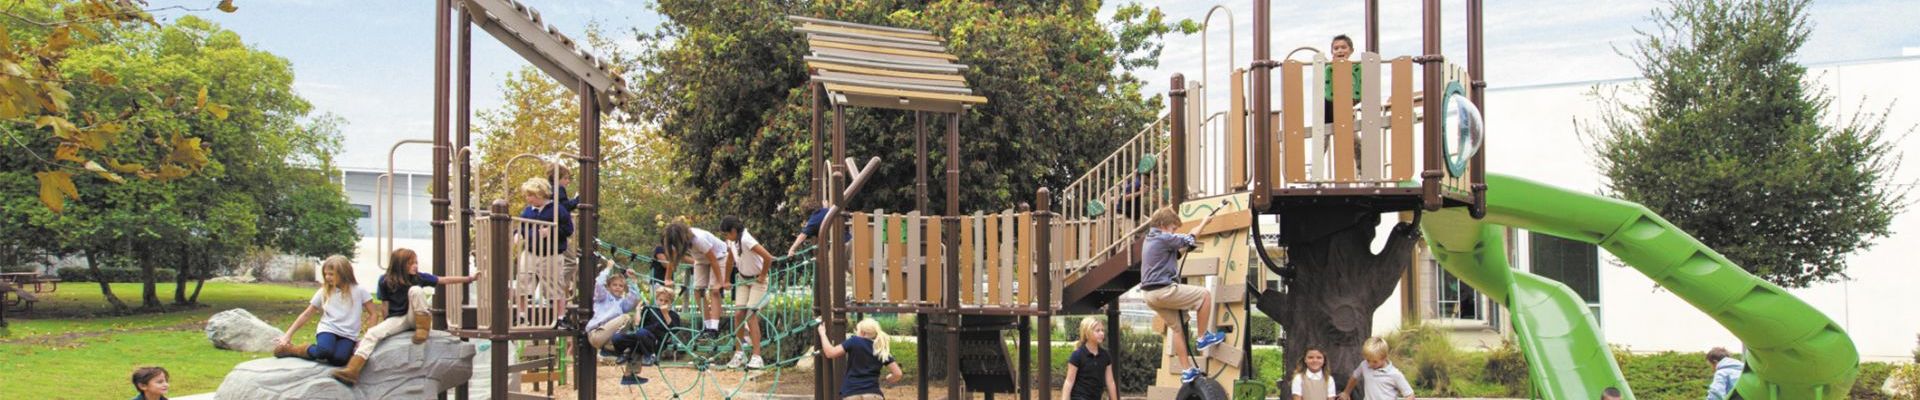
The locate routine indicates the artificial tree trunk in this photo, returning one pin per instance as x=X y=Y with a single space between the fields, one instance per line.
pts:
x=1337 y=284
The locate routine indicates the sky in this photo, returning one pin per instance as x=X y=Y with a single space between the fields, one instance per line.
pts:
x=371 y=62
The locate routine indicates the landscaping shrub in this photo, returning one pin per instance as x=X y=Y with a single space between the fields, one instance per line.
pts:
x=1507 y=367
x=792 y=310
x=113 y=274
x=1668 y=375
x=1867 y=385
x=14 y=269
x=1140 y=359
x=1909 y=376
x=304 y=272
x=1262 y=330
x=1426 y=355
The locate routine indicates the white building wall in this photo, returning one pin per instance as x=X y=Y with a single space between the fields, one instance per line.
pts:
x=1532 y=134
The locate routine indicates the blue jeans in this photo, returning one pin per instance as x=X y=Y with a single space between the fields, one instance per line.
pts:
x=331 y=349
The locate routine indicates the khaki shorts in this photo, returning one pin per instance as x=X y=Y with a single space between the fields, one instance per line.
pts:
x=599 y=336
x=1169 y=300
x=747 y=295
x=703 y=275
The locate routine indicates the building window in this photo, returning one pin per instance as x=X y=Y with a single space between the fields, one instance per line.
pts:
x=366 y=211
x=1456 y=299
x=1573 y=263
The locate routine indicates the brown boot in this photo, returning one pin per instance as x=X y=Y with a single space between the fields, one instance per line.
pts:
x=422 y=325
x=351 y=373
x=290 y=350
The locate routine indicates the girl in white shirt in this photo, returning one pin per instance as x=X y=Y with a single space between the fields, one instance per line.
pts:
x=343 y=307
x=1312 y=382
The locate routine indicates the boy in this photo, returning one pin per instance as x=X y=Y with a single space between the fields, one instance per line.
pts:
x=1382 y=380
x=655 y=321
x=709 y=274
x=612 y=308
x=750 y=259
x=1342 y=48
x=545 y=246
x=1611 y=393
x=1160 y=258
x=1726 y=371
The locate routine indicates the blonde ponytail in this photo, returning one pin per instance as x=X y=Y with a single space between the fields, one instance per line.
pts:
x=881 y=342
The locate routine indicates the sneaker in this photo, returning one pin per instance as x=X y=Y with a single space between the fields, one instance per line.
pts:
x=1212 y=338
x=608 y=353
x=631 y=380
x=1191 y=374
x=649 y=360
x=739 y=359
x=756 y=363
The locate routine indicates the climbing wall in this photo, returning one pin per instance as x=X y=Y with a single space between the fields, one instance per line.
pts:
x=1220 y=264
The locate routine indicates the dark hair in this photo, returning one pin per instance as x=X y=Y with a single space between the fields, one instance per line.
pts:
x=1302 y=367
x=811 y=205
x=1343 y=38
x=731 y=224
x=676 y=239
x=144 y=375
x=1717 y=354
x=1611 y=392
x=397 y=276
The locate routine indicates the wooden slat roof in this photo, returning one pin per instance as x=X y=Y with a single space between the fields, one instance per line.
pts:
x=521 y=28
x=885 y=67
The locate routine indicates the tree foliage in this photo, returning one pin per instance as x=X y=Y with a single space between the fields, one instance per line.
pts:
x=1731 y=146
x=726 y=82
x=265 y=173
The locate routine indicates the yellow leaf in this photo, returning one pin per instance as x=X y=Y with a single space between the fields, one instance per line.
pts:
x=202 y=101
x=55 y=188
x=103 y=77
x=218 y=111
x=68 y=152
x=104 y=173
x=227 y=6
x=124 y=168
x=45 y=120
x=169 y=172
x=59 y=40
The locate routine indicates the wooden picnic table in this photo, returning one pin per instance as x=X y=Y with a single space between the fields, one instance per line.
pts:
x=40 y=283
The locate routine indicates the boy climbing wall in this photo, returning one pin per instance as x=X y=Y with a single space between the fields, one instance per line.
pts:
x=1160 y=270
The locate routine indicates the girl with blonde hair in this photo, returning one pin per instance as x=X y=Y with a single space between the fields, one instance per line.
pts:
x=1090 y=369
x=343 y=307
x=866 y=352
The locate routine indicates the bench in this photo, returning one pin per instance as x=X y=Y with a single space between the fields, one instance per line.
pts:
x=11 y=295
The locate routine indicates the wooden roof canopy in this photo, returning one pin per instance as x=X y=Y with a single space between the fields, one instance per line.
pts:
x=885 y=67
x=521 y=29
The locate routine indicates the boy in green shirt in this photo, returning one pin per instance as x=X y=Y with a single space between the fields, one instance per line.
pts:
x=1342 y=48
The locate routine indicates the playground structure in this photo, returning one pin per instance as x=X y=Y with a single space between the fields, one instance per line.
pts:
x=972 y=276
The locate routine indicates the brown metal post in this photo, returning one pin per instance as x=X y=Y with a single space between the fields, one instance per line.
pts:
x=500 y=230
x=588 y=217
x=1430 y=40
x=1476 y=63
x=920 y=204
x=1114 y=328
x=836 y=290
x=1263 y=137
x=1043 y=287
x=819 y=174
x=1178 y=117
x=952 y=238
x=1373 y=26
x=822 y=276
x=442 y=38
x=463 y=133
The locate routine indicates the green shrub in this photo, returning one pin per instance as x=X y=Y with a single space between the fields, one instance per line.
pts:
x=14 y=269
x=113 y=274
x=1506 y=367
x=1909 y=376
x=1262 y=330
x=1668 y=375
x=796 y=312
x=304 y=272
x=1139 y=360
x=1426 y=355
x=1867 y=385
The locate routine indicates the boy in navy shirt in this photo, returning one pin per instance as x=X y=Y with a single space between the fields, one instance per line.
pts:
x=1160 y=270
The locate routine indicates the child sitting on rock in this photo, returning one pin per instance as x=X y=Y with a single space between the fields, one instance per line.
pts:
x=404 y=290
x=343 y=307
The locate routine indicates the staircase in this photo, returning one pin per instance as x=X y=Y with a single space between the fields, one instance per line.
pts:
x=1107 y=206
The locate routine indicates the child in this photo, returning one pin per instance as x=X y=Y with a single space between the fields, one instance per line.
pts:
x=706 y=250
x=1382 y=380
x=655 y=321
x=866 y=352
x=1342 y=47
x=343 y=307
x=1312 y=383
x=816 y=215
x=662 y=272
x=561 y=178
x=150 y=383
x=1090 y=369
x=1611 y=393
x=612 y=308
x=1726 y=371
x=1160 y=257
x=750 y=259
x=404 y=290
x=544 y=247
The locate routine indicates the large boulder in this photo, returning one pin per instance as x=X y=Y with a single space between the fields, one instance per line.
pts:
x=238 y=329
x=398 y=369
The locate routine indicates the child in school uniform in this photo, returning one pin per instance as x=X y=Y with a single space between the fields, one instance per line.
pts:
x=404 y=289
x=1377 y=377
x=747 y=257
x=150 y=383
x=866 y=352
x=1090 y=368
x=1312 y=382
x=343 y=307
x=710 y=275
x=1160 y=258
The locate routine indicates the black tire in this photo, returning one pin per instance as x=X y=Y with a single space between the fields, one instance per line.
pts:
x=1201 y=389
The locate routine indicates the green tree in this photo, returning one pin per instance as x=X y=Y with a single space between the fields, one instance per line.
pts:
x=1730 y=144
x=726 y=82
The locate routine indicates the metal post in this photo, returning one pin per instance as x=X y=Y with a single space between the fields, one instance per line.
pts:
x=1026 y=357
x=501 y=229
x=1114 y=328
x=1373 y=26
x=819 y=174
x=442 y=37
x=822 y=276
x=1263 y=137
x=588 y=217
x=1476 y=63
x=952 y=238
x=463 y=134
x=1043 y=287
x=1178 y=117
x=920 y=204
x=836 y=290
x=1430 y=40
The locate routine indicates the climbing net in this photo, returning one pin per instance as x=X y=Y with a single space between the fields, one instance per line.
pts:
x=786 y=318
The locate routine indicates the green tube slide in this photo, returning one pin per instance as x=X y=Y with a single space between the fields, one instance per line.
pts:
x=1792 y=350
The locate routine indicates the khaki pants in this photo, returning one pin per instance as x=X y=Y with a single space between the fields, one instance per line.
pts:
x=1168 y=301
x=416 y=303
x=747 y=295
x=599 y=336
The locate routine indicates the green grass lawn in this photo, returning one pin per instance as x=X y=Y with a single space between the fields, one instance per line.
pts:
x=72 y=347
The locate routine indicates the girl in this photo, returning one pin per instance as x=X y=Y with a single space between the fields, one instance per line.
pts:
x=1090 y=369
x=340 y=303
x=866 y=352
x=1312 y=383
x=150 y=383
x=404 y=290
